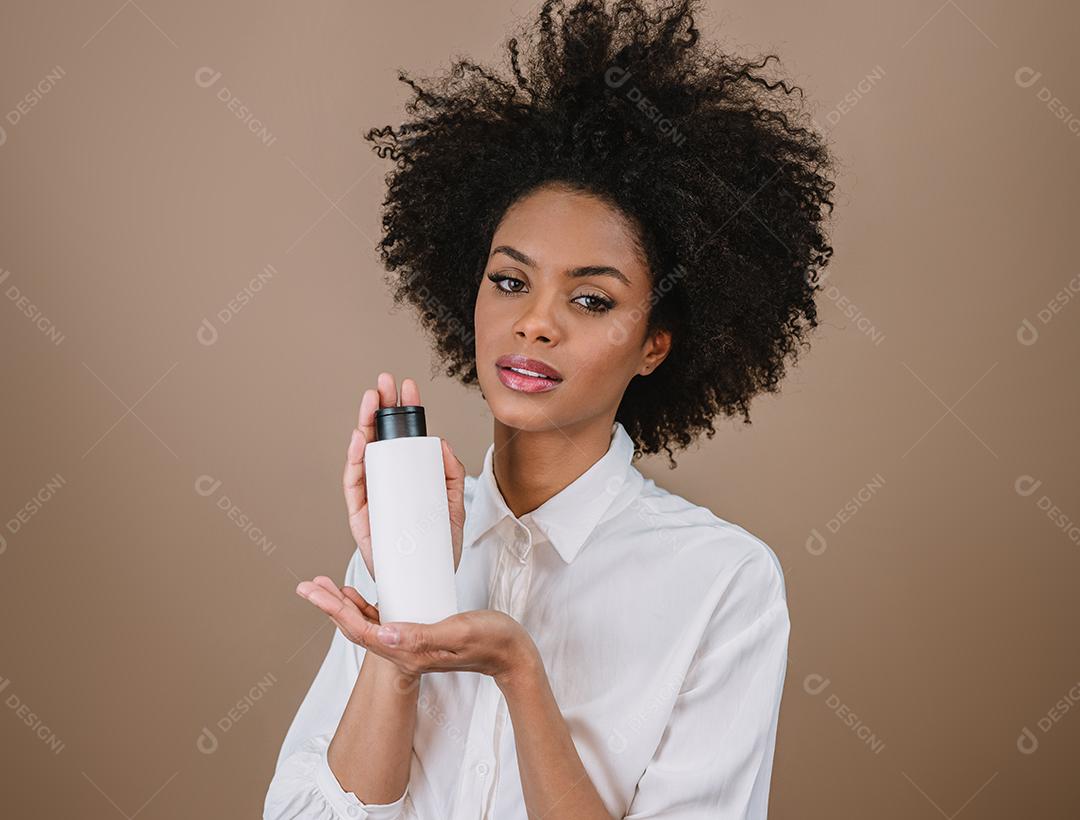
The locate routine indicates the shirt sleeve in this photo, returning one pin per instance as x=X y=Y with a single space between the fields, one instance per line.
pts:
x=715 y=757
x=304 y=786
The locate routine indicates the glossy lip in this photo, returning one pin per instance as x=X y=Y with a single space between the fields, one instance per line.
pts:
x=525 y=363
x=523 y=383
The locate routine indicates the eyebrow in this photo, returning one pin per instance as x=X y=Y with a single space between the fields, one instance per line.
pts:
x=585 y=270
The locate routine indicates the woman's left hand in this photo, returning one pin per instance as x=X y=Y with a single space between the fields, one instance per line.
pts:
x=480 y=640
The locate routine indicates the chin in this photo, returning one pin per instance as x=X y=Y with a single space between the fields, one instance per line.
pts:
x=528 y=412
x=520 y=411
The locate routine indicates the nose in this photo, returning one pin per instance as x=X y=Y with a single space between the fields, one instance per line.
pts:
x=537 y=322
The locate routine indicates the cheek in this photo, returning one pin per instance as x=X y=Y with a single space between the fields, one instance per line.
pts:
x=491 y=330
x=486 y=320
x=604 y=355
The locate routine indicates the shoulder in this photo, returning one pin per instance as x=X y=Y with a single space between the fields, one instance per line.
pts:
x=727 y=563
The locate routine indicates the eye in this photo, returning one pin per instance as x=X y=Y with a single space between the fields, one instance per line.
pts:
x=499 y=278
x=596 y=303
x=600 y=304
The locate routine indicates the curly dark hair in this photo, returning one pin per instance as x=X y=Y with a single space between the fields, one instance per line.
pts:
x=708 y=159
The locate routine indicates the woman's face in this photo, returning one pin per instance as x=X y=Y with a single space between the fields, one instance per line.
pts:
x=571 y=293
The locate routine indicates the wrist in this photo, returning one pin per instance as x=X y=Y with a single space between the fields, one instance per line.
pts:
x=392 y=675
x=524 y=668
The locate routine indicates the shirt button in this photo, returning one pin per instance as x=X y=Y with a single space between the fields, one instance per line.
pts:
x=482 y=768
x=354 y=810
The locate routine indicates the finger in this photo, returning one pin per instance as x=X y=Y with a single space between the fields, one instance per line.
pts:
x=452 y=467
x=329 y=585
x=348 y=619
x=410 y=393
x=322 y=584
x=455 y=482
x=369 y=610
x=387 y=390
x=353 y=479
x=366 y=420
x=331 y=604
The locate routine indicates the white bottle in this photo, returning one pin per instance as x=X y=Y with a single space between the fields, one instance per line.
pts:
x=412 y=548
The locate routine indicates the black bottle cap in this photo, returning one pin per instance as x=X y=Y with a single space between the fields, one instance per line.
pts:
x=399 y=422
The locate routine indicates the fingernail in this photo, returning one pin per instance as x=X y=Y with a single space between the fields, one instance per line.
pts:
x=388 y=635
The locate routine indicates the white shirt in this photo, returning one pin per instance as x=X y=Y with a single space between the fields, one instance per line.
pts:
x=664 y=633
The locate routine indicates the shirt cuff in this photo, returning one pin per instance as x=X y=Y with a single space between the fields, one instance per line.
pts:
x=348 y=804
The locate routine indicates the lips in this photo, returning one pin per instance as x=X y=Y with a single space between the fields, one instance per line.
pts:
x=533 y=367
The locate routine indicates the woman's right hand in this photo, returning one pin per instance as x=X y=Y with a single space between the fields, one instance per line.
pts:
x=385 y=395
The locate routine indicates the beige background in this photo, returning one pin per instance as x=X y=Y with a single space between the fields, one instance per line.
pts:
x=939 y=612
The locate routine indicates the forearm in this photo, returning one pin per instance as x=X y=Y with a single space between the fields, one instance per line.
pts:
x=554 y=782
x=371 y=751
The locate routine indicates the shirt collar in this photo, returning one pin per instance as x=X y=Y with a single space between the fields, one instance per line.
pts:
x=566 y=519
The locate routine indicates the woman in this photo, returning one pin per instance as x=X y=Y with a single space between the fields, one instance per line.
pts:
x=616 y=245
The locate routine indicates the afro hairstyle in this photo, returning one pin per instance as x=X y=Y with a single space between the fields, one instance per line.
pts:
x=710 y=160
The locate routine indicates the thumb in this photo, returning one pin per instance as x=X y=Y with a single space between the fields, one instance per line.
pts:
x=455 y=498
x=454 y=470
x=368 y=610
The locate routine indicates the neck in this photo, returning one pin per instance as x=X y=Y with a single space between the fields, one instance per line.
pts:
x=532 y=466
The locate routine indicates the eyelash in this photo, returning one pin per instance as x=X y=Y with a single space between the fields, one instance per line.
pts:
x=604 y=305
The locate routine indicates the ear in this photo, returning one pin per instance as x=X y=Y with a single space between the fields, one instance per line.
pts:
x=655 y=350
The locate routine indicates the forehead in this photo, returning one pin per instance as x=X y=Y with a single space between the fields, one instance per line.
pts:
x=562 y=229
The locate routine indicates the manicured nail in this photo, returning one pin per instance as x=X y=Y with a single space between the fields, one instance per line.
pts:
x=388 y=635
